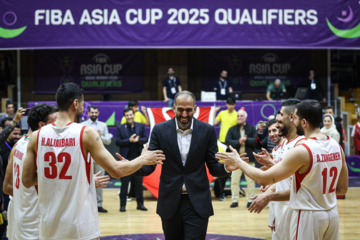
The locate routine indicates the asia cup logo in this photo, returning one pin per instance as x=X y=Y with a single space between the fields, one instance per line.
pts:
x=347 y=17
x=9 y=18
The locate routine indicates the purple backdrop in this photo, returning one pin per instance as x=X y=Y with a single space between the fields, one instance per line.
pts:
x=96 y=71
x=172 y=23
x=253 y=70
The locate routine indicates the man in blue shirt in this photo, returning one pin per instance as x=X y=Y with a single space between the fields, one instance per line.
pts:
x=171 y=86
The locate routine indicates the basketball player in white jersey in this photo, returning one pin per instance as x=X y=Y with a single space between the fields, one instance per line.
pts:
x=24 y=215
x=58 y=161
x=262 y=199
x=279 y=193
x=320 y=173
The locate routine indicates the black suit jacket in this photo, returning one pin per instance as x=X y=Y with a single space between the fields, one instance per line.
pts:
x=233 y=136
x=202 y=151
x=123 y=135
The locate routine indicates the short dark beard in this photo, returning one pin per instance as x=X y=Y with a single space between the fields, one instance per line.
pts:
x=283 y=132
x=182 y=125
x=93 y=119
x=299 y=130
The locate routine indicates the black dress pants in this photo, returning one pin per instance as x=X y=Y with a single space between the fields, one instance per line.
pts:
x=137 y=181
x=186 y=223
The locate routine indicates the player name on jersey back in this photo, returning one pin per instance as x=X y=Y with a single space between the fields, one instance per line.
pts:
x=51 y=142
x=328 y=157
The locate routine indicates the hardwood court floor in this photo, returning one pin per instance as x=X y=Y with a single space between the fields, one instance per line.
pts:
x=232 y=221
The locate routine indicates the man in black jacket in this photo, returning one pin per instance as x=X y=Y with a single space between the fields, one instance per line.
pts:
x=242 y=137
x=184 y=203
x=131 y=137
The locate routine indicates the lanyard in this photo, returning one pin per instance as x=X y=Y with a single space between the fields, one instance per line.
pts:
x=225 y=83
x=8 y=145
x=172 y=82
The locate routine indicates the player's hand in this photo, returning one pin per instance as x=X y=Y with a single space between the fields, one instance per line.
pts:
x=229 y=158
x=101 y=181
x=99 y=132
x=263 y=189
x=259 y=203
x=19 y=114
x=152 y=157
x=264 y=158
x=122 y=159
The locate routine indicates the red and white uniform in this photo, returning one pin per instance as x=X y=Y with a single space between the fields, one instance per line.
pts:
x=277 y=154
x=24 y=212
x=280 y=207
x=67 y=196
x=313 y=194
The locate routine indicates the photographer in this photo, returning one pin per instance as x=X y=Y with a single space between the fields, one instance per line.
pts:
x=262 y=137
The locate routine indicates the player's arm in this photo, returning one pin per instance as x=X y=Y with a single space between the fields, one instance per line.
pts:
x=29 y=175
x=92 y=144
x=294 y=160
x=343 y=182
x=8 y=181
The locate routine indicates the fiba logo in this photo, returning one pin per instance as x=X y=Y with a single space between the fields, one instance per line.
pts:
x=9 y=18
x=347 y=17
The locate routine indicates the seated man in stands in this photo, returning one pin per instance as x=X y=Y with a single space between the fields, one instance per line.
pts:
x=276 y=91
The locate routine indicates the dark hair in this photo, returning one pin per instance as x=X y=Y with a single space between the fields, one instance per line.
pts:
x=66 y=94
x=39 y=113
x=133 y=103
x=127 y=110
x=271 y=122
x=289 y=104
x=230 y=101
x=190 y=94
x=310 y=110
x=2 y=124
x=329 y=107
x=9 y=103
x=93 y=107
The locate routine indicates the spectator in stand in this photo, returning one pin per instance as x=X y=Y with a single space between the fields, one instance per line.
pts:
x=227 y=118
x=315 y=87
x=356 y=135
x=262 y=138
x=276 y=91
x=329 y=110
x=242 y=138
x=329 y=128
x=222 y=87
x=10 y=110
x=131 y=137
x=138 y=117
x=340 y=120
x=102 y=129
x=171 y=86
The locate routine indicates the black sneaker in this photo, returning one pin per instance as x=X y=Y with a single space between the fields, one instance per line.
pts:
x=101 y=209
x=234 y=204
x=222 y=197
x=122 y=209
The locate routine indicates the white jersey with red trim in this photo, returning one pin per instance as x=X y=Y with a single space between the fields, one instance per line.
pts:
x=25 y=211
x=67 y=197
x=316 y=189
x=285 y=148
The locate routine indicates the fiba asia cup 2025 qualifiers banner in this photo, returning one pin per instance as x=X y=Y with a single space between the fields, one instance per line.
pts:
x=96 y=71
x=171 y=23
